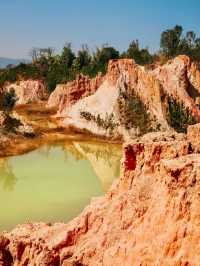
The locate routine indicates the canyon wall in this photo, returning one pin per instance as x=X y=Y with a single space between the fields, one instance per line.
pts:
x=150 y=216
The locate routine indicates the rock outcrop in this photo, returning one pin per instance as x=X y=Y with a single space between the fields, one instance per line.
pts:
x=11 y=123
x=29 y=91
x=65 y=95
x=150 y=216
x=180 y=78
x=110 y=110
x=193 y=135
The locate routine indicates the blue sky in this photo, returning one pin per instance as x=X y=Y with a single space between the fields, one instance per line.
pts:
x=40 y=23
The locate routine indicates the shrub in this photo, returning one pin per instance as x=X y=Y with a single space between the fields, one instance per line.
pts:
x=11 y=124
x=107 y=123
x=22 y=71
x=133 y=113
x=178 y=116
x=9 y=100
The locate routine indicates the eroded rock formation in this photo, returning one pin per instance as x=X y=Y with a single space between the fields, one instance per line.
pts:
x=150 y=216
x=107 y=112
x=180 y=78
x=193 y=135
x=65 y=95
x=28 y=91
x=110 y=110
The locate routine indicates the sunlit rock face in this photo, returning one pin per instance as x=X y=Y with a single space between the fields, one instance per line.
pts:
x=180 y=78
x=65 y=95
x=103 y=105
x=150 y=216
x=29 y=91
x=107 y=112
x=193 y=135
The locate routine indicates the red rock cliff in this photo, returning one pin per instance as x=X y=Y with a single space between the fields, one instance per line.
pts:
x=180 y=78
x=65 y=95
x=149 y=217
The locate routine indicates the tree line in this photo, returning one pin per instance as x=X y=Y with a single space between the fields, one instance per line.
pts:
x=60 y=68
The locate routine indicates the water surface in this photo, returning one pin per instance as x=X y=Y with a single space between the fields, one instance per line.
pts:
x=55 y=182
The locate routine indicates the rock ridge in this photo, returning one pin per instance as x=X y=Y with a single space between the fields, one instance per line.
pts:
x=178 y=80
x=150 y=216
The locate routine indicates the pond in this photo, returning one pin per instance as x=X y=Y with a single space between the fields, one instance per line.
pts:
x=55 y=182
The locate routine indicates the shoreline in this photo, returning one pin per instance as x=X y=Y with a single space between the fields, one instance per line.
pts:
x=15 y=144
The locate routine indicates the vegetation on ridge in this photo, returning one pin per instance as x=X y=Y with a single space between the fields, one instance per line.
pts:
x=9 y=100
x=133 y=113
x=60 y=68
x=9 y=124
x=106 y=123
x=178 y=116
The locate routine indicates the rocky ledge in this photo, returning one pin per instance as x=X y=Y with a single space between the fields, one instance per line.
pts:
x=150 y=216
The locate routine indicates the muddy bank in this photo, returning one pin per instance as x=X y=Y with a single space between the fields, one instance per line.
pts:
x=46 y=130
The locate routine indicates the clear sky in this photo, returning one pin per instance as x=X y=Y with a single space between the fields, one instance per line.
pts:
x=40 y=23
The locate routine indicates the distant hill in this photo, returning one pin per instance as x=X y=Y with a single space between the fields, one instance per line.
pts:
x=10 y=61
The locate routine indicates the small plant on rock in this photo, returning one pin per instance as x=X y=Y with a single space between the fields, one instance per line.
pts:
x=9 y=100
x=133 y=113
x=178 y=116
x=107 y=123
x=9 y=123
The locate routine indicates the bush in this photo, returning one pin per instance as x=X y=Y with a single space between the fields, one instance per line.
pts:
x=107 y=123
x=9 y=100
x=133 y=113
x=22 y=71
x=178 y=116
x=11 y=124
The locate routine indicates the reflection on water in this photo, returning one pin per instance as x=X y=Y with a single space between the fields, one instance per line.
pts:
x=104 y=158
x=7 y=177
x=55 y=182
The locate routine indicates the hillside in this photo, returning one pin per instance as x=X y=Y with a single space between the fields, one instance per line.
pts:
x=131 y=100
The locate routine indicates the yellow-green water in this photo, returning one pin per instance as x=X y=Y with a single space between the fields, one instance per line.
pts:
x=55 y=182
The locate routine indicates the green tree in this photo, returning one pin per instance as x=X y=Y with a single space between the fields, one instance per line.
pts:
x=178 y=116
x=102 y=56
x=174 y=43
x=83 y=59
x=9 y=100
x=67 y=55
x=196 y=50
x=141 y=56
x=170 y=41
